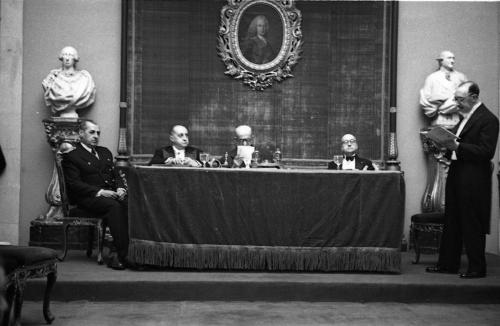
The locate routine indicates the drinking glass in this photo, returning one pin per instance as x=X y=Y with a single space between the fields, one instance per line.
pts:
x=204 y=159
x=338 y=160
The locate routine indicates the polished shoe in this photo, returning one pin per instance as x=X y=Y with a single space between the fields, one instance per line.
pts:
x=437 y=269
x=116 y=264
x=472 y=275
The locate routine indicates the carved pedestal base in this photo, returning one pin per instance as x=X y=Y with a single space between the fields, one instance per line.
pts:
x=433 y=199
x=61 y=134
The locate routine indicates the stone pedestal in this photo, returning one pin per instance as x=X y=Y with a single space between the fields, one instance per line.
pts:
x=61 y=134
x=433 y=199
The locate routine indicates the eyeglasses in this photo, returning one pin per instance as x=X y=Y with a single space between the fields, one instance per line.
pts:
x=461 y=99
x=243 y=140
x=349 y=141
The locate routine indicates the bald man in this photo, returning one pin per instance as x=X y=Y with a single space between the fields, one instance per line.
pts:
x=351 y=160
x=437 y=96
x=179 y=153
x=244 y=137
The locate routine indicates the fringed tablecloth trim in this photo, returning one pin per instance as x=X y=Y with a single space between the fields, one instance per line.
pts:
x=239 y=257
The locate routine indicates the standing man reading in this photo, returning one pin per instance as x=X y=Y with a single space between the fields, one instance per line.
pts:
x=468 y=186
x=95 y=186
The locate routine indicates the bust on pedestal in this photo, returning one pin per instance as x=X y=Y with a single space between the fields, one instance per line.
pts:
x=66 y=90
x=438 y=103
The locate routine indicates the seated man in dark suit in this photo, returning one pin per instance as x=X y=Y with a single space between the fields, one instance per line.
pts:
x=179 y=153
x=351 y=160
x=94 y=185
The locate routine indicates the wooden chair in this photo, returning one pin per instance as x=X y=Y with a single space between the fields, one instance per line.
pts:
x=76 y=217
x=20 y=264
x=431 y=223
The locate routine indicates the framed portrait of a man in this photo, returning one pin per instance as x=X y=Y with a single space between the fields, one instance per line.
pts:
x=260 y=40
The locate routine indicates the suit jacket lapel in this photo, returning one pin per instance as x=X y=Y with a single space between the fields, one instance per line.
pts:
x=168 y=152
x=477 y=114
x=86 y=153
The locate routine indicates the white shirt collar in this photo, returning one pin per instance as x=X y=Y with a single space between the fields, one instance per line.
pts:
x=179 y=153
x=89 y=149
x=474 y=108
x=349 y=165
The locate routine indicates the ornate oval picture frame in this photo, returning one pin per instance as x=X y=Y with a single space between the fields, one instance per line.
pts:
x=260 y=40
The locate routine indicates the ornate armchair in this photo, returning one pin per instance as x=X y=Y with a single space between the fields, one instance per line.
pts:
x=76 y=217
x=20 y=264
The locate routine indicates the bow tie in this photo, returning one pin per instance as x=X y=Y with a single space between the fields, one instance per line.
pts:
x=349 y=158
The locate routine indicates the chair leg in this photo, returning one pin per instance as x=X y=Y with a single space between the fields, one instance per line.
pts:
x=10 y=296
x=416 y=245
x=51 y=280
x=438 y=239
x=18 y=302
x=90 y=243
x=65 y=242
x=101 y=229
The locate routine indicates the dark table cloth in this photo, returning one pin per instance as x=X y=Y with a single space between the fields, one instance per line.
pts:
x=266 y=219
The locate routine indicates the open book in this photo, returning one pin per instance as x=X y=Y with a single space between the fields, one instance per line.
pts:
x=441 y=135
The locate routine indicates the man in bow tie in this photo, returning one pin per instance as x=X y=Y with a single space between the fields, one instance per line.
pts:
x=351 y=160
x=94 y=185
x=468 y=186
x=179 y=153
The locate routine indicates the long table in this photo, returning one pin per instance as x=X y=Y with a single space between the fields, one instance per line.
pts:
x=266 y=219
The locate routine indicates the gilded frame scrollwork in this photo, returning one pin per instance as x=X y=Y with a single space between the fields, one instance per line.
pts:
x=251 y=65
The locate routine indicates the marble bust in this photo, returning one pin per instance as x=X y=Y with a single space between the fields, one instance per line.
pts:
x=67 y=89
x=437 y=96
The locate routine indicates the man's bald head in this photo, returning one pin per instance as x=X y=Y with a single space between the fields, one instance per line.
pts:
x=179 y=136
x=243 y=132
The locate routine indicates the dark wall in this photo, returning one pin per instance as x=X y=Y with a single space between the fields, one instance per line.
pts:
x=340 y=85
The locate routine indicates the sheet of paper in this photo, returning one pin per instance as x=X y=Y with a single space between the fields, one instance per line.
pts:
x=245 y=152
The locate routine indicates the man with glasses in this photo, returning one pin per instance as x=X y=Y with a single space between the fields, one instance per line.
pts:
x=436 y=97
x=351 y=160
x=468 y=186
x=244 y=137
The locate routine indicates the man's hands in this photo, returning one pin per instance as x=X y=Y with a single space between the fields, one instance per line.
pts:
x=119 y=194
x=452 y=144
x=187 y=161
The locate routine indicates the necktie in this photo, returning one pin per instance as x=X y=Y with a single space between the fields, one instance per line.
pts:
x=94 y=153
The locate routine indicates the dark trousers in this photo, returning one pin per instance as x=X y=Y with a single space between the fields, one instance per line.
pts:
x=115 y=214
x=462 y=228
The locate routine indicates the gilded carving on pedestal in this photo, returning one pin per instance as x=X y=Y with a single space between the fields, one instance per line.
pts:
x=61 y=134
x=437 y=169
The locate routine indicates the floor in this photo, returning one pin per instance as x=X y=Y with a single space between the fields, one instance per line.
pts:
x=89 y=294
x=261 y=313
